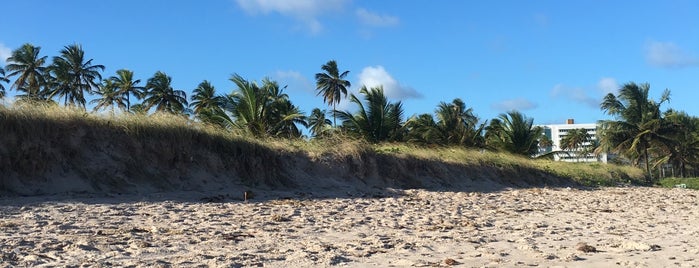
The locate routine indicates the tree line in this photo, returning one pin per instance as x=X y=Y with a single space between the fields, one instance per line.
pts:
x=640 y=133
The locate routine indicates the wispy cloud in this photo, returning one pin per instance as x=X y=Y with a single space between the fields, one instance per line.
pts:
x=519 y=104
x=377 y=20
x=374 y=76
x=5 y=52
x=608 y=85
x=304 y=11
x=294 y=80
x=669 y=55
x=591 y=96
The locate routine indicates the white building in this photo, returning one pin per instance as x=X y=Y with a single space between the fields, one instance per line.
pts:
x=556 y=132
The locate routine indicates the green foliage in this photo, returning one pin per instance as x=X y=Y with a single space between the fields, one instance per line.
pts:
x=71 y=75
x=455 y=125
x=332 y=84
x=690 y=183
x=636 y=130
x=29 y=68
x=160 y=94
x=377 y=120
x=513 y=132
x=263 y=110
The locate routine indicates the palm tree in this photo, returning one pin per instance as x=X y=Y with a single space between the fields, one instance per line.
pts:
x=332 y=85
x=457 y=125
x=28 y=66
x=263 y=111
x=637 y=125
x=422 y=129
x=574 y=140
x=127 y=86
x=681 y=142
x=206 y=104
x=378 y=120
x=74 y=75
x=318 y=123
x=160 y=94
x=545 y=142
x=515 y=133
x=3 y=79
x=109 y=96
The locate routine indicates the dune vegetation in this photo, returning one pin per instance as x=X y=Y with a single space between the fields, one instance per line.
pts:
x=142 y=135
x=49 y=149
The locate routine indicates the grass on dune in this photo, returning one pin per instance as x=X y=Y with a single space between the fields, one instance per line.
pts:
x=690 y=183
x=172 y=133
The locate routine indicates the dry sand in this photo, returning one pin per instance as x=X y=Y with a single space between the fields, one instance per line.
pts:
x=549 y=227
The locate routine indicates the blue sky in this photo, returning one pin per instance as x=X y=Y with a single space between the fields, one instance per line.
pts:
x=551 y=60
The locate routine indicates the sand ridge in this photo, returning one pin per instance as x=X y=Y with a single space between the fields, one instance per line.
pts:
x=536 y=227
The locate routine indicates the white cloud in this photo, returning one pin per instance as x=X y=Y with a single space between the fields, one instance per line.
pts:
x=519 y=104
x=669 y=55
x=374 y=76
x=608 y=85
x=305 y=11
x=372 y=19
x=5 y=52
x=294 y=80
x=591 y=97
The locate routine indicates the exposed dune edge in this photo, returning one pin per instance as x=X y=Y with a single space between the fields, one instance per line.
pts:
x=95 y=155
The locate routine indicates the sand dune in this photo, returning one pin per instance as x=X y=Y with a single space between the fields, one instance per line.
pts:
x=621 y=227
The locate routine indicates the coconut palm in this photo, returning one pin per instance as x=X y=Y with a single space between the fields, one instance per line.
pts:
x=26 y=64
x=513 y=132
x=377 y=120
x=332 y=85
x=160 y=94
x=263 y=110
x=73 y=75
x=681 y=142
x=3 y=79
x=457 y=125
x=110 y=96
x=319 y=125
x=206 y=105
x=574 y=140
x=637 y=126
x=127 y=86
x=422 y=129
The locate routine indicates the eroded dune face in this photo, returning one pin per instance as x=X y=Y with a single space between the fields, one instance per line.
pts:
x=628 y=227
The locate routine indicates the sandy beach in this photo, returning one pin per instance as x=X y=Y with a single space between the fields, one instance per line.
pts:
x=536 y=227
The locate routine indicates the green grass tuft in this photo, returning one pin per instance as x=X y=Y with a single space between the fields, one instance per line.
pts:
x=691 y=183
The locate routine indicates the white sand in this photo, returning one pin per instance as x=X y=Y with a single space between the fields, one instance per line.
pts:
x=628 y=227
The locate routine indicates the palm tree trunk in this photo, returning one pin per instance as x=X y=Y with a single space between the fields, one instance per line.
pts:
x=645 y=155
x=334 y=112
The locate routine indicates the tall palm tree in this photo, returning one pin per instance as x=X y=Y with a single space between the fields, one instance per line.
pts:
x=332 y=85
x=160 y=94
x=637 y=126
x=378 y=120
x=319 y=125
x=515 y=133
x=574 y=140
x=110 y=96
x=206 y=105
x=3 y=79
x=127 y=86
x=28 y=66
x=74 y=75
